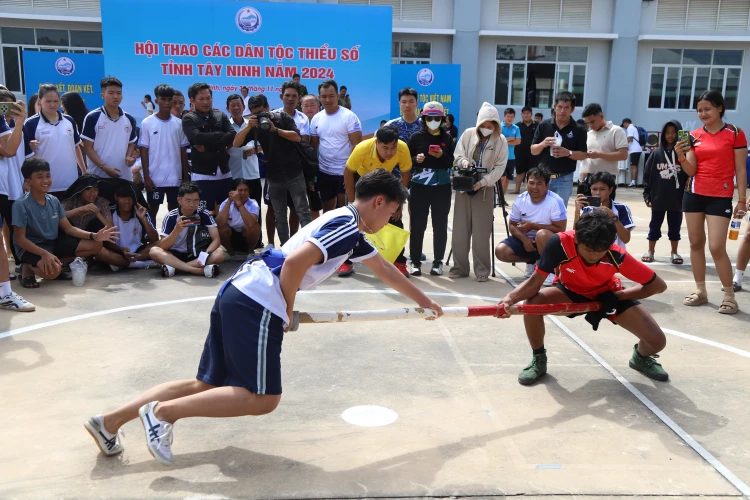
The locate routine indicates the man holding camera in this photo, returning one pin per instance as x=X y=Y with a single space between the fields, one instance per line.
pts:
x=277 y=132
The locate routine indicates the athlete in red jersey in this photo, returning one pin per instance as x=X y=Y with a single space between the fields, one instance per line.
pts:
x=714 y=155
x=588 y=260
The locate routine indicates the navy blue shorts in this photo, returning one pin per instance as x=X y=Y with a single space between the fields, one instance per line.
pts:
x=155 y=198
x=214 y=192
x=329 y=186
x=517 y=246
x=243 y=347
x=510 y=169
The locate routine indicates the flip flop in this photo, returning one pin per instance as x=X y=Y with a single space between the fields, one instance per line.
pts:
x=694 y=299
x=29 y=282
x=728 y=306
x=648 y=257
x=676 y=259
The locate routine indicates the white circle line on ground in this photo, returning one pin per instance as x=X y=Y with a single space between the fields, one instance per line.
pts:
x=687 y=438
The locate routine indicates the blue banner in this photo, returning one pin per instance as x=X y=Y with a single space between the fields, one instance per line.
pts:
x=70 y=72
x=229 y=44
x=433 y=82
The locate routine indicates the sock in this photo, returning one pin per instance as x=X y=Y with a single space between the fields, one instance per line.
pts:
x=701 y=286
x=738 y=275
x=106 y=433
x=5 y=289
x=538 y=351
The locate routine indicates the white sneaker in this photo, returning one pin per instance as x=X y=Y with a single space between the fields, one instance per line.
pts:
x=109 y=444
x=211 y=271
x=158 y=434
x=632 y=184
x=548 y=281
x=415 y=269
x=437 y=269
x=530 y=268
x=15 y=302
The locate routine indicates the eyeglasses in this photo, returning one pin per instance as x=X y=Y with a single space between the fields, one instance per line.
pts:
x=432 y=118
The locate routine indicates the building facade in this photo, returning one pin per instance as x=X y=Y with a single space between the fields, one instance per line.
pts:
x=644 y=59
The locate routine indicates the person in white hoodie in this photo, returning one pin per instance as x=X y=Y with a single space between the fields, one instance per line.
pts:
x=472 y=215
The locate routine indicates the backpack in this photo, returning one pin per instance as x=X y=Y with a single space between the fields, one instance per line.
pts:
x=642 y=136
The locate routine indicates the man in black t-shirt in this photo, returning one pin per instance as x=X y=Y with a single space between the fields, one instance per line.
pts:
x=560 y=159
x=525 y=161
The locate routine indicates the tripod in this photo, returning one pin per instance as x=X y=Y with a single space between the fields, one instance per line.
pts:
x=499 y=201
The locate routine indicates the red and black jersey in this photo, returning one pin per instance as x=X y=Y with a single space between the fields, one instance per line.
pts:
x=590 y=280
x=715 y=156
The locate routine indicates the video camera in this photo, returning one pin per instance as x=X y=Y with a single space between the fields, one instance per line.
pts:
x=465 y=178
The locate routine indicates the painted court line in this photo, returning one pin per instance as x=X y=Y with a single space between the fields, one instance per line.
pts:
x=687 y=438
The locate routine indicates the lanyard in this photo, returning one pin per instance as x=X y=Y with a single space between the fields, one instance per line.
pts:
x=672 y=168
x=481 y=151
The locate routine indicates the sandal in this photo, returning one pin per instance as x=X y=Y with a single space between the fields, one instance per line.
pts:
x=676 y=259
x=648 y=257
x=728 y=306
x=482 y=278
x=29 y=282
x=63 y=276
x=455 y=274
x=695 y=299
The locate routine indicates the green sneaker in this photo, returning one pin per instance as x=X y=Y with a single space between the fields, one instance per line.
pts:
x=536 y=369
x=648 y=366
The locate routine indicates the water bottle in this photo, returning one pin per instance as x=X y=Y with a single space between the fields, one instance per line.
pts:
x=558 y=141
x=734 y=229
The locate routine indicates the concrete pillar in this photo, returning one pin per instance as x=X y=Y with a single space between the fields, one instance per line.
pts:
x=466 y=21
x=622 y=63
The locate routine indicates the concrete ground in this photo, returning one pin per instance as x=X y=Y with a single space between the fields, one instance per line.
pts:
x=465 y=427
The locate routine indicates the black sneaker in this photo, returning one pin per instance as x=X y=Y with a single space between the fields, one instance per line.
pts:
x=437 y=269
x=415 y=269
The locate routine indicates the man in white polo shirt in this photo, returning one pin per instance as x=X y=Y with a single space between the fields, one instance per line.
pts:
x=109 y=135
x=163 y=152
x=334 y=133
x=634 y=148
x=606 y=144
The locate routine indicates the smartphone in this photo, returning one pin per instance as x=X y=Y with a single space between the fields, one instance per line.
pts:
x=683 y=135
x=434 y=148
x=594 y=201
x=7 y=108
x=193 y=219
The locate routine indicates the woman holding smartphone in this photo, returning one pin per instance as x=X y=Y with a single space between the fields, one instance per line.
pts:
x=431 y=150
x=712 y=157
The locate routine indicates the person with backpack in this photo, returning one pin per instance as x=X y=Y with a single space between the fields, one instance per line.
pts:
x=637 y=138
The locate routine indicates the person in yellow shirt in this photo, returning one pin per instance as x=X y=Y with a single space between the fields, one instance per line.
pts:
x=385 y=150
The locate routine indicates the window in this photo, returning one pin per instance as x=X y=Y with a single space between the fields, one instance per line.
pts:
x=531 y=75
x=403 y=10
x=13 y=41
x=706 y=15
x=545 y=13
x=680 y=76
x=411 y=53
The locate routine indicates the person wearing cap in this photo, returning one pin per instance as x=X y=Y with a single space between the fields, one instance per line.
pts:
x=431 y=150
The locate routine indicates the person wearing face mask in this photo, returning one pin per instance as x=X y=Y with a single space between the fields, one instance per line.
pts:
x=485 y=147
x=431 y=150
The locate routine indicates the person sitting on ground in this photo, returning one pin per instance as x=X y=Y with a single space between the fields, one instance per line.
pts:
x=238 y=219
x=581 y=278
x=663 y=187
x=43 y=235
x=137 y=232
x=602 y=185
x=536 y=215
x=190 y=239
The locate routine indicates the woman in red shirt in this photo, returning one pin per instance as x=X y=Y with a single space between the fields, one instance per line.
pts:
x=713 y=156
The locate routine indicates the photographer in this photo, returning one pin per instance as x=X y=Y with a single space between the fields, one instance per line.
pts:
x=276 y=132
x=480 y=147
x=210 y=134
x=602 y=185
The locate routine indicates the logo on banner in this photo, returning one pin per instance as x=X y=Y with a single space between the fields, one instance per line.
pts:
x=248 y=20
x=425 y=77
x=65 y=66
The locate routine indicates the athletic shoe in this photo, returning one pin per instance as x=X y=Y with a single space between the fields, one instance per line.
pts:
x=345 y=269
x=15 y=302
x=416 y=269
x=109 y=444
x=401 y=266
x=11 y=276
x=211 y=271
x=548 y=280
x=535 y=370
x=530 y=268
x=158 y=434
x=632 y=184
x=648 y=366
x=735 y=286
x=437 y=269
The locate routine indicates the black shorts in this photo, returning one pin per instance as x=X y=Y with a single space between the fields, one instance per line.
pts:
x=510 y=169
x=213 y=192
x=330 y=186
x=709 y=205
x=267 y=197
x=238 y=241
x=622 y=305
x=313 y=199
x=64 y=247
x=635 y=158
x=184 y=257
x=524 y=163
x=517 y=246
x=155 y=198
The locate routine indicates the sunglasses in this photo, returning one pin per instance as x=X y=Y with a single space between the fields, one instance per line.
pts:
x=432 y=118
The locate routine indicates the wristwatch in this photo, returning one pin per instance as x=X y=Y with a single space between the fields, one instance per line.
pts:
x=570 y=153
x=91 y=235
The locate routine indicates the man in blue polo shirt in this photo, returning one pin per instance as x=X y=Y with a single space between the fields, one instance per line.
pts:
x=109 y=135
x=512 y=134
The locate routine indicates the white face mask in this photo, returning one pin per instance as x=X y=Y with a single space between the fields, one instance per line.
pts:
x=486 y=131
x=433 y=125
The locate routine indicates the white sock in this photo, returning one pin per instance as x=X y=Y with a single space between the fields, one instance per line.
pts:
x=5 y=289
x=738 y=275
